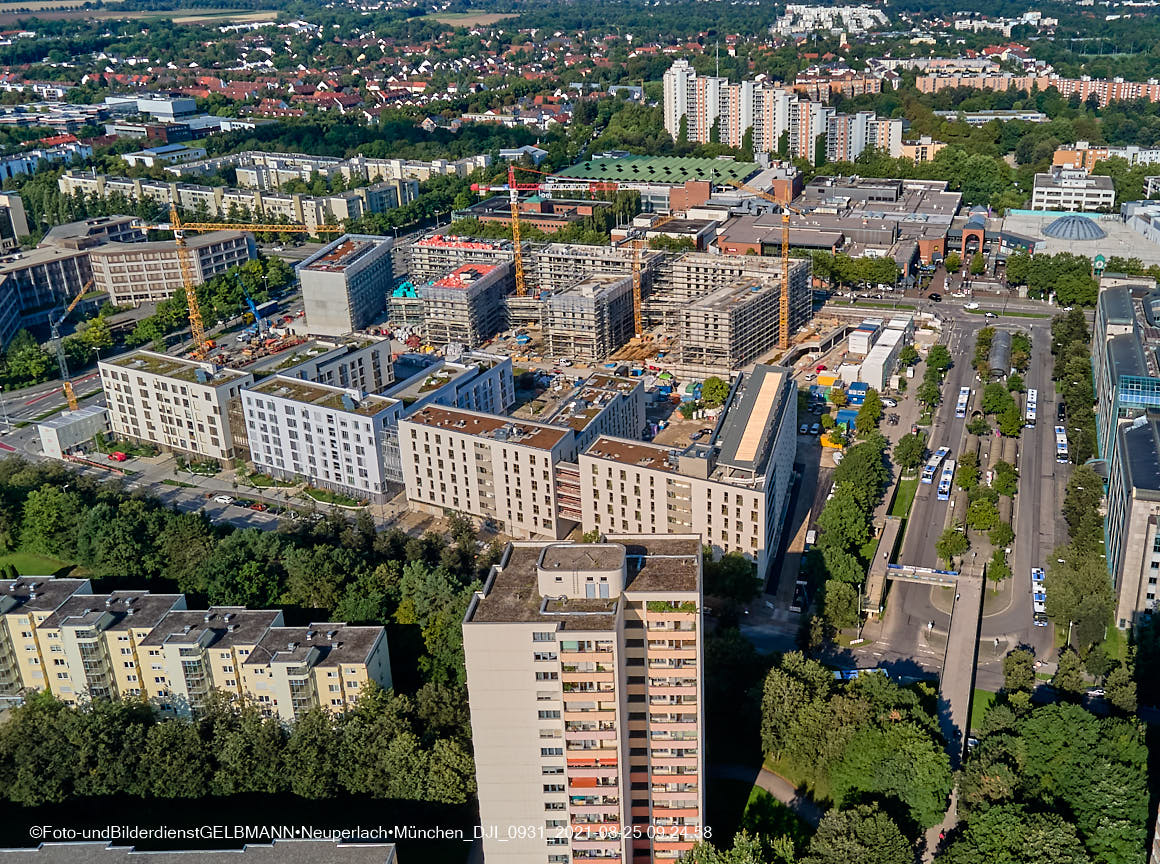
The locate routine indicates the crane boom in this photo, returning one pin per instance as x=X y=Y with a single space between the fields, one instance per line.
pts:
x=783 y=331
x=514 y=199
x=69 y=393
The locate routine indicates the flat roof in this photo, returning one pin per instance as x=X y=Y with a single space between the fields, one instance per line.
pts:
x=730 y=296
x=489 y=426
x=750 y=421
x=462 y=278
x=1140 y=452
x=672 y=170
x=639 y=453
x=322 y=395
x=341 y=254
x=175 y=367
x=194 y=241
x=590 y=399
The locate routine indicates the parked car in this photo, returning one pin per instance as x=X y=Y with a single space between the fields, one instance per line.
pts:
x=696 y=436
x=889 y=403
x=259 y=506
x=223 y=499
x=803 y=429
x=935 y=298
x=991 y=315
x=821 y=368
x=815 y=429
x=706 y=431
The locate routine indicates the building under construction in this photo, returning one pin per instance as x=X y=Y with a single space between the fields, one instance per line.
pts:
x=558 y=265
x=684 y=280
x=589 y=320
x=731 y=327
x=433 y=256
x=466 y=305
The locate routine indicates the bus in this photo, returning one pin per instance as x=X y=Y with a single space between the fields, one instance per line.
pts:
x=1060 y=445
x=945 y=480
x=961 y=404
x=933 y=463
x=1032 y=409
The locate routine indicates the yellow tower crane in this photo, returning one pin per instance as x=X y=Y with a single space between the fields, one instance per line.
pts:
x=69 y=393
x=201 y=344
x=638 y=247
x=783 y=333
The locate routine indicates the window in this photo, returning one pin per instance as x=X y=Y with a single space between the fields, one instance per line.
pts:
x=549 y=715
x=541 y=656
x=553 y=805
x=547 y=676
x=553 y=787
x=551 y=751
x=543 y=637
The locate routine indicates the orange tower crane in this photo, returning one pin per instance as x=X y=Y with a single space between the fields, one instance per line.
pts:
x=69 y=393
x=201 y=344
x=783 y=333
x=638 y=247
x=514 y=189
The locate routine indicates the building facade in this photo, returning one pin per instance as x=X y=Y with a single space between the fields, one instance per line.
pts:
x=1133 y=520
x=466 y=306
x=585 y=683
x=136 y=273
x=345 y=284
x=179 y=405
x=1072 y=189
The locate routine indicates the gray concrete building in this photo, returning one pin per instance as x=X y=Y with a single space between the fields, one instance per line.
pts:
x=1133 y=520
x=466 y=306
x=730 y=327
x=345 y=284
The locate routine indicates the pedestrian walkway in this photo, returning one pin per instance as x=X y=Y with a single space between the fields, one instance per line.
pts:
x=775 y=785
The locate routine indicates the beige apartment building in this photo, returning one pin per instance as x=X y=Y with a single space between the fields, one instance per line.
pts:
x=177 y=404
x=585 y=683
x=494 y=468
x=730 y=488
x=136 y=273
x=56 y=633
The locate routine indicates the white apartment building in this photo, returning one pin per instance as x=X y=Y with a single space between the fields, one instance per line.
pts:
x=330 y=436
x=496 y=469
x=602 y=405
x=730 y=489
x=1072 y=189
x=585 y=683
x=359 y=363
x=177 y=404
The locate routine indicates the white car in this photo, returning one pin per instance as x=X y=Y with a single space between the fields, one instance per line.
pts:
x=223 y=499
x=889 y=403
x=971 y=306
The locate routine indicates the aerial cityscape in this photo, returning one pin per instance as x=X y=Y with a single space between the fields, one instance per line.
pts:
x=493 y=432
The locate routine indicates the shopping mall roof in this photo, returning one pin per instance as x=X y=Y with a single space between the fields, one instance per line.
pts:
x=672 y=170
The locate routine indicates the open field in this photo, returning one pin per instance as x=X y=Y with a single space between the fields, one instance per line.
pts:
x=63 y=9
x=469 y=19
x=31 y=564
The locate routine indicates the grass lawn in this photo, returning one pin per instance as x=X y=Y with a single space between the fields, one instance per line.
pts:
x=981 y=701
x=178 y=483
x=819 y=791
x=904 y=498
x=736 y=804
x=887 y=306
x=1012 y=314
x=328 y=497
x=264 y=481
x=1115 y=645
x=32 y=564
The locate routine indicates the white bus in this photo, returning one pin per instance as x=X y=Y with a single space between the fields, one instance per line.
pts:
x=945 y=480
x=961 y=404
x=932 y=464
x=1060 y=444
x=1032 y=409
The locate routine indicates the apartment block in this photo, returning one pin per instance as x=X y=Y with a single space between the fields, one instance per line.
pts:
x=466 y=306
x=295 y=669
x=179 y=405
x=922 y=149
x=589 y=320
x=359 y=363
x=474 y=380
x=585 y=684
x=136 y=273
x=1132 y=526
x=25 y=604
x=345 y=284
x=57 y=634
x=730 y=489
x=435 y=255
x=500 y=471
x=92 y=643
x=1072 y=189
x=332 y=437
x=602 y=405
x=555 y=266
x=13 y=221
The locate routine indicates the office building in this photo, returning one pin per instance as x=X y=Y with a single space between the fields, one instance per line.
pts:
x=70 y=431
x=1072 y=189
x=466 y=306
x=164 y=155
x=730 y=489
x=602 y=404
x=295 y=669
x=56 y=633
x=60 y=148
x=345 y=284
x=176 y=404
x=498 y=470
x=1132 y=526
x=589 y=320
x=585 y=682
x=38 y=284
x=149 y=272
x=331 y=437
x=88 y=233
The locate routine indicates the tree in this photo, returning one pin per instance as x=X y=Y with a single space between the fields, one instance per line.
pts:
x=1001 y=535
x=51 y=519
x=840 y=604
x=1015 y=383
x=929 y=393
x=864 y=468
x=843 y=522
x=951 y=544
x=1079 y=595
x=745 y=850
x=837 y=397
x=1069 y=674
x=1019 y=671
x=714 y=391
x=732 y=576
x=1005 y=480
x=978 y=264
x=953 y=261
x=996 y=398
x=910 y=451
x=862 y=834
x=1011 y=422
x=939 y=357
x=982 y=515
x=967 y=471
x=1120 y=689
x=1010 y=834
x=998 y=569
x=908 y=356
x=869 y=414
